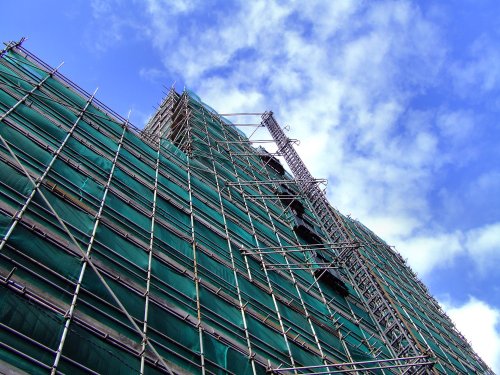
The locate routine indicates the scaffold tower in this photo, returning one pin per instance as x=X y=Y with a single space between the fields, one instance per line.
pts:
x=187 y=247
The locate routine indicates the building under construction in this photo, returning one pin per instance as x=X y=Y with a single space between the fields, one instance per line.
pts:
x=187 y=248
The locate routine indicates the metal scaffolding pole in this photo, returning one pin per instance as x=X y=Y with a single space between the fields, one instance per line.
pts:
x=193 y=235
x=406 y=363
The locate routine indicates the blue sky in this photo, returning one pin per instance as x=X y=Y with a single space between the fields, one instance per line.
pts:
x=395 y=102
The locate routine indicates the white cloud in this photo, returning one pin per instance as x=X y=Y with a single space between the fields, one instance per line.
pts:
x=101 y=7
x=233 y=100
x=162 y=15
x=479 y=323
x=484 y=244
x=426 y=253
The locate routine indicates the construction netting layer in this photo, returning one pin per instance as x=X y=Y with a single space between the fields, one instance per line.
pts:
x=179 y=249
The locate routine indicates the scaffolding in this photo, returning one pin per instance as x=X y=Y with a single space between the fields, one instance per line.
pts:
x=183 y=248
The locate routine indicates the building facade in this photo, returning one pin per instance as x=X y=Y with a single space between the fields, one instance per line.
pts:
x=184 y=248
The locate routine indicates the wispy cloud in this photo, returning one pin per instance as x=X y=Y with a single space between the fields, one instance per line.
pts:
x=113 y=22
x=455 y=126
x=425 y=253
x=480 y=70
x=152 y=74
x=480 y=245
x=483 y=245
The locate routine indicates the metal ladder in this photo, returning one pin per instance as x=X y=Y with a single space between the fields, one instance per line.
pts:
x=377 y=301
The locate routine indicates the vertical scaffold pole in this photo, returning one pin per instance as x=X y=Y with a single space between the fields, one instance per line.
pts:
x=193 y=235
x=158 y=139
x=150 y=259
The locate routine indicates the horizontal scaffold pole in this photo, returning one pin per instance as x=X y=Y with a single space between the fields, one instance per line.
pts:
x=382 y=362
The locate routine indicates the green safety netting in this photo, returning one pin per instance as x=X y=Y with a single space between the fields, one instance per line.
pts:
x=31 y=330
